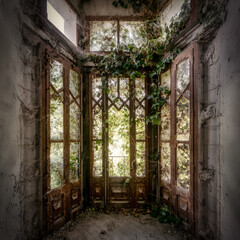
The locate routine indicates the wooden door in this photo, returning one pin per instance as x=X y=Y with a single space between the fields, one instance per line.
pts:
x=178 y=136
x=118 y=142
x=61 y=142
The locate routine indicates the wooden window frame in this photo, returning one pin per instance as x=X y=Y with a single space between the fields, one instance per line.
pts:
x=106 y=18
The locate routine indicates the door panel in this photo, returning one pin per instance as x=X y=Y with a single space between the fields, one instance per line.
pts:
x=118 y=140
x=61 y=142
x=177 y=135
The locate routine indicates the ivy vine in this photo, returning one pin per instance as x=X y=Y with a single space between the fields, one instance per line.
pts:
x=155 y=54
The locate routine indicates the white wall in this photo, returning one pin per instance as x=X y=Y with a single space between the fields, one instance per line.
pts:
x=229 y=73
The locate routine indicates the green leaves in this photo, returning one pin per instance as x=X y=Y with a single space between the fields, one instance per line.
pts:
x=165 y=216
x=157 y=102
x=150 y=59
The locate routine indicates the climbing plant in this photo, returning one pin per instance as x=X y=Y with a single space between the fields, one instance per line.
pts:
x=146 y=60
x=157 y=50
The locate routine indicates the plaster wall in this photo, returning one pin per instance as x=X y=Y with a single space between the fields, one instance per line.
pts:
x=229 y=74
x=10 y=198
x=105 y=8
x=219 y=194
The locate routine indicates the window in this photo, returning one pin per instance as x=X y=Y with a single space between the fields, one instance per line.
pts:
x=64 y=124
x=107 y=34
x=63 y=18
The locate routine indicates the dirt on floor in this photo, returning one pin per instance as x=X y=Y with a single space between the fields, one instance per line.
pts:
x=117 y=225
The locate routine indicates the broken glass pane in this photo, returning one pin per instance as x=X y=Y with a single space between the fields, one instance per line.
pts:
x=183 y=165
x=165 y=162
x=119 y=161
x=74 y=161
x=103 y=35
x=56 y=165
x=130 y=33
x=183 y=119
x=140 y=159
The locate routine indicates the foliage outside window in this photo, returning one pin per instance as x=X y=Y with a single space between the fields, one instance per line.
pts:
x=58 y=118
x=104 y=34
x=118 y=125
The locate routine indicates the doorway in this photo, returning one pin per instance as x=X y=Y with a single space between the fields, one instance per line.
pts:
x=118 y=141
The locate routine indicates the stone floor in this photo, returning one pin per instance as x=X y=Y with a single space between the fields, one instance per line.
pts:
x=116 y=226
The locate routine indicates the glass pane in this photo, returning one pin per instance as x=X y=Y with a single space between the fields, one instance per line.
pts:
x=130 y=33
x=187 y=94
x=165 y=122
x=56 y=118
x=183 y=75
x=97 y=123
x=56 y=165
x=124 y=89
x=183 y=119
x=183 y=165
x=165 y=162
x=56 y=74
x=74 y=161
x=103 y=35
x=113 y=94
x=165 y=81
x=140 y=123
x=119 y=161
x=97 y=158
x=140 y=88
x=140 y=159
x=75 y=116
x=56 y=101
x=97 y=88
x=74 y=84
